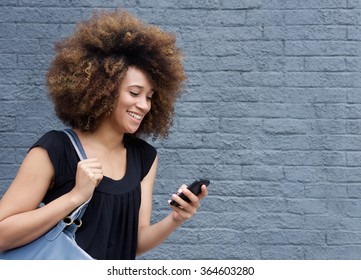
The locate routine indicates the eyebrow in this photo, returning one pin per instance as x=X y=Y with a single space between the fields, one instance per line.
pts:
x=141 y=88
x=137 y=86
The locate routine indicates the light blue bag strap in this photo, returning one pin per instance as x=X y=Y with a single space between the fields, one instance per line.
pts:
x=76 y=143
x=77 y=214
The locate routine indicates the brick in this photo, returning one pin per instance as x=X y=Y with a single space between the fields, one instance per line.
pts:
x=265 y=17
x=291 y=237
x=17 y=140
x=322 y=222
x=8 y=61
x=21 y=92
x=325 y=190
x=354 y=97
x=292 y=158
x=353 y=4
x=265 y=110
x=195 y=171
x=176 y=251
x=4 y=184
x=325 y=64
x=239 y=94
x=353 y=64
x=7 y=156
x=306 y=206
x=99 y=4
x=322 y=48
x=7 y=14
x=7 y=124
x=236 y=222
x=7 y=30
x=333 y=252
x=353 y=127
x=285 y=126
x=188 y=4
x=31 y=123
x=199 y=17
x=8 y=171
x=263 y=173
x=39 y=61
x=322 y=17
x=43 y=15
x=314 y=4
x=208 y=125
x=39 y=3
x=305 y=32
x=240 y=63
x=208 y=236
x=272 y=252
x=246 y=4
x=353 y=33
x=353 y=158
x=251 y=48
x=294 y=64
x=19 y=46
x=37 y=31
x=249 y=125
x=343 y=237
x=203 y=94
x=304 y=95
x=272 y=221
x=354 y=191
x=321 y=79
x=349 y=208
x=8 y=3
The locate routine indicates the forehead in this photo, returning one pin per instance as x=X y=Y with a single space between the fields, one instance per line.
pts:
x=137 y=78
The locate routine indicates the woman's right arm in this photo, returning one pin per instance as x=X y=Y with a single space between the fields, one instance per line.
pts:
x=21 y=221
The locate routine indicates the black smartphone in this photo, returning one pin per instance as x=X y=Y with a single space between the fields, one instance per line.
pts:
x=195 y=188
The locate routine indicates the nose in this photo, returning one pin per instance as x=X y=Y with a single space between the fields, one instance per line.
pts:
x=144 y=104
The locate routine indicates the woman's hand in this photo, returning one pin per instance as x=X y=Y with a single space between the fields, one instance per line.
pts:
x=89 y=173
x=186 y=210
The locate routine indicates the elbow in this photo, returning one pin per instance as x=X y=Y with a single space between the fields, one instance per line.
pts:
x=140 y=251
x=6 y=245
x=5 y=241
x=3 y=244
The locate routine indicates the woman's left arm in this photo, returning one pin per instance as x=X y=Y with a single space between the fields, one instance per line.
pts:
x=150 y=236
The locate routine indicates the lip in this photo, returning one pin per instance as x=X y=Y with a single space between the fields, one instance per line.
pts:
x=135 y=116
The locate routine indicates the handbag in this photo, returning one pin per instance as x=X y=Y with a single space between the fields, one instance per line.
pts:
x=59 y=242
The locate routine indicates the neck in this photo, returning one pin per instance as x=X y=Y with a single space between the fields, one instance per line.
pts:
x=104 y=136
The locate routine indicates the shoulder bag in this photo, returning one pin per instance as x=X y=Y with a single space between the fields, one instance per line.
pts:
x=59 y=242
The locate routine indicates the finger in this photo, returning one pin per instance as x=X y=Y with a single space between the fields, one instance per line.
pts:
x=182 y=203
x=182 y=215
x=204 y=192
x=181 y=188
x=192 y=197
x=98 y=178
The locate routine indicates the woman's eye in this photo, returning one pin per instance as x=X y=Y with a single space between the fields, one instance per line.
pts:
x=134 y=93
x=149 y=98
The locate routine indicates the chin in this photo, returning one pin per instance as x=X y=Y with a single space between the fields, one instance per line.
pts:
x=132 y=130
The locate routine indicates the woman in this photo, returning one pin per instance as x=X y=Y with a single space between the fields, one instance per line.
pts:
x=114 y=79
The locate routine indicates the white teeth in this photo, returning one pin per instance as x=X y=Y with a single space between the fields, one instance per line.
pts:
x=134 y=115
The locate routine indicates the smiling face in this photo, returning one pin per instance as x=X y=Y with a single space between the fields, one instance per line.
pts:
x=134 y=101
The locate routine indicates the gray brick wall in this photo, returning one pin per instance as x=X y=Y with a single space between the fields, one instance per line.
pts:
x=271 y=116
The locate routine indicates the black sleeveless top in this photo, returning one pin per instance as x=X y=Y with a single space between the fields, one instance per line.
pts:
x=110 y=223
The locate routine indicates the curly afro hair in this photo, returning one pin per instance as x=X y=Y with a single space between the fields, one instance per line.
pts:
x=84 y=77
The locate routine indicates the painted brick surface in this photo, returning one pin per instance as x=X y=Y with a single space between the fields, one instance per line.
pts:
x=271 y=115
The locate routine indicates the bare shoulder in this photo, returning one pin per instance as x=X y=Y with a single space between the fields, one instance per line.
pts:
x=30 y=184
